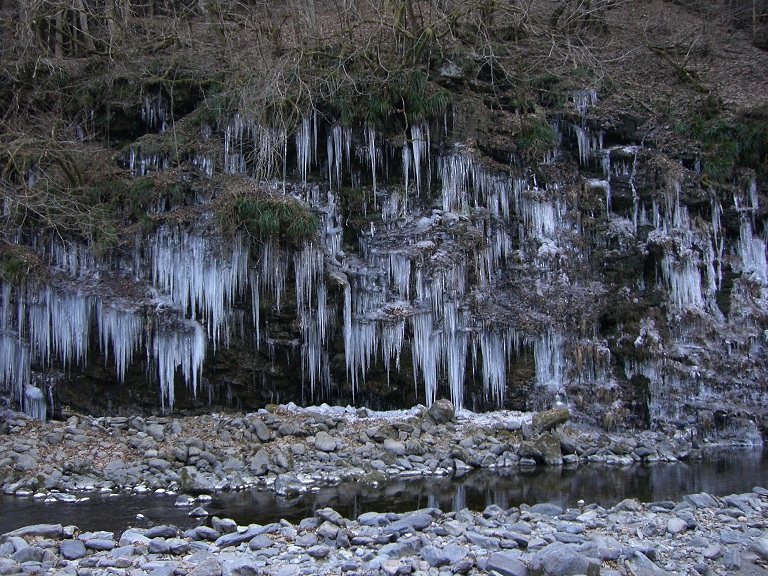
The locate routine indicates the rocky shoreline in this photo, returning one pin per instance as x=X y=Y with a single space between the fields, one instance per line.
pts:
x=291 y=450
x=702 y=534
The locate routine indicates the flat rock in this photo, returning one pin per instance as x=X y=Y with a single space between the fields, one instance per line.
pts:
x=38 y=531
x=702 y=500
x=236 y=538
x=162 y=531
x=549 y=419
x=547 y=509
x=507 y=564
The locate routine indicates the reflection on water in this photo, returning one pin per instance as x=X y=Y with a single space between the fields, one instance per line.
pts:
x=720 y=474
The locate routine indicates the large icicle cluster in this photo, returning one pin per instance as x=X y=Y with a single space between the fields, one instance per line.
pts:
x=421 y=279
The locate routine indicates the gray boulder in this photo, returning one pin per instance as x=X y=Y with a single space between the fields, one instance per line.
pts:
x=549 y=447
x=72 y=549
x=507 y=564
x=324 y=442
x=562 y=560
x=442 y=411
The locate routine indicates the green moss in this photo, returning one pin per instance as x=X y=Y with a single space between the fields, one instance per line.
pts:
x=276 y=217
x=535 y=139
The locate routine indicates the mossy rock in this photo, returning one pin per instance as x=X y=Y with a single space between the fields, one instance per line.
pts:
x=549 y=419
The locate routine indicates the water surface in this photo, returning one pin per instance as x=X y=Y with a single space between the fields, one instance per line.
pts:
x=720 y=473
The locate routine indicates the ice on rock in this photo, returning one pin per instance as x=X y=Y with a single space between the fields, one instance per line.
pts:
x=35 y=404
x=583 y=99
x=155 y=112
x=751 y=251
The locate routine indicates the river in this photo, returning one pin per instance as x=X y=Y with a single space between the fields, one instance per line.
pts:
x=719 y=473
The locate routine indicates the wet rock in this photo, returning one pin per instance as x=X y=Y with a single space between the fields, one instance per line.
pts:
x=289 y=485
x=549 y=419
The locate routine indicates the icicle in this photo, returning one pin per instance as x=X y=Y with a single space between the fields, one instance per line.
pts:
x=155 y=112
x=549 y=358
x=454 y=348
x=370 y=135
x=35 y=404
x=180 y=345
x=496 y=348
x=420 y=140
x=198 y=277
x=425 y=354
x=123 y=331
x=752 y=253
x=15 y=365
x=455 y=172
x=584 y=99
x=683 y=280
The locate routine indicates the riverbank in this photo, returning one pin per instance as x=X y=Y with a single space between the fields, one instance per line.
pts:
x=291 y=449
x=701 y=534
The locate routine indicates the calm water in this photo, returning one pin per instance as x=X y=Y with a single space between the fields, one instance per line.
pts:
x=721 y=473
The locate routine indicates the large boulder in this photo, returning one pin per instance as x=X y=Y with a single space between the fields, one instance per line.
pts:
x=441 y=411
x=549 y=446
x=549 y=419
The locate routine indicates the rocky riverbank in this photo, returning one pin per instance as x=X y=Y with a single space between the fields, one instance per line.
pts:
x=291 y=449
x=700 y=535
